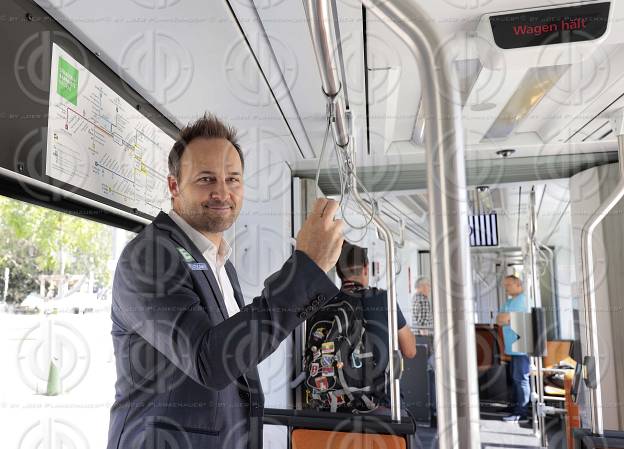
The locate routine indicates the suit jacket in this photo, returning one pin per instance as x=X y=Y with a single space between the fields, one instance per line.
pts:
x=186 y=373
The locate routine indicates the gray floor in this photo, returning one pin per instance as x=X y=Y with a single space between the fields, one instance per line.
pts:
x=496 y=434
x=499 y=434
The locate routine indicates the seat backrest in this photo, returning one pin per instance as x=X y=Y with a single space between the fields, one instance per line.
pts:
x=488 y=349
x=557 y=350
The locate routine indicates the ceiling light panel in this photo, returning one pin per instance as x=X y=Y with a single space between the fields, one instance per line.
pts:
x=534 y=85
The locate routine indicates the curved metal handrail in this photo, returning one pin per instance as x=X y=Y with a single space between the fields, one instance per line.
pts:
x=589 y=286
x=454 y=334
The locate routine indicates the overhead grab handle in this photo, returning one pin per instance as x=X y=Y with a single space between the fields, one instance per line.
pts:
x=323 y=32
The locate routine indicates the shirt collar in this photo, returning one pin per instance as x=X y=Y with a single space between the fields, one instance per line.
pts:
x=208 y=249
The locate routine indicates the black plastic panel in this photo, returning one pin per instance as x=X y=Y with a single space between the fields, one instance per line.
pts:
x=27 y=33
x=339 y=422
x=550 y=26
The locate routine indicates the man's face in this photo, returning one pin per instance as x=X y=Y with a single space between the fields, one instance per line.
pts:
x=512 y=287
x=425 y=289
x=208 y=193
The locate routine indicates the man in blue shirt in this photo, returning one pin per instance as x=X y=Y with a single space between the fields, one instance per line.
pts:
x=520 y=366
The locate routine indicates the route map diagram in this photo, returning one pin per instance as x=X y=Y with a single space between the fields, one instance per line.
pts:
x=100 y=143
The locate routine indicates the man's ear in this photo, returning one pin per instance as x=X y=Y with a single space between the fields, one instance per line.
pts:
x=365 y=270
x=174 y=188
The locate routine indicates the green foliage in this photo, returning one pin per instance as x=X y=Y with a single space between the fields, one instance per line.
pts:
x=36 y=240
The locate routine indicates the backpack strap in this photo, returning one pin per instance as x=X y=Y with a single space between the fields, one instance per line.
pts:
x=299 y=379
x=341 y=377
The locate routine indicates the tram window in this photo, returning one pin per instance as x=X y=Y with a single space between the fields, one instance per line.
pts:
x=58 y=362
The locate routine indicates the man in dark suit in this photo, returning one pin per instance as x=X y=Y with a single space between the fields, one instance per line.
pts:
x=186 y=346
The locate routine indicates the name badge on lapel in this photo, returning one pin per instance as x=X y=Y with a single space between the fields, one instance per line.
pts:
x=185 y=254
x=198 y=266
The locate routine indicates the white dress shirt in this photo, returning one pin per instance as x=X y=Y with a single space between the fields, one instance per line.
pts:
x=216 y=258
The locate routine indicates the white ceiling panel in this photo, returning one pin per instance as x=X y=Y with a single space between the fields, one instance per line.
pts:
x=186 y=57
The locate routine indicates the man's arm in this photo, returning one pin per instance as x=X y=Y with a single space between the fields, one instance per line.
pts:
x=168 y=315
x=407 y=342
x=503 y=318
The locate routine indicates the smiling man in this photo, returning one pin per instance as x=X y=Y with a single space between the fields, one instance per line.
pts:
x=186 y=345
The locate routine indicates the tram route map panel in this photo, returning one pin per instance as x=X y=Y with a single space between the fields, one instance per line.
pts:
x=100 y=143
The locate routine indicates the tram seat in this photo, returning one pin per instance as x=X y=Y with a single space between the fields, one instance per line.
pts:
x=311 y=429
x=324 y=439
x=557 y=350
x=489 y=344
x=611 y=439
x=492 y=373
x=558 y=355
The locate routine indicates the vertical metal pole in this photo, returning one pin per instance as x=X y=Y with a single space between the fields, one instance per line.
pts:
x=535 y=294
x=589 y=286
x=454 y=335
x=320 y=22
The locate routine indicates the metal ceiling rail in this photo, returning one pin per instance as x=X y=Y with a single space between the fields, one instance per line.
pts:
x=589 y=286
x=321 y=24
x=411 y=175
x=454 y=334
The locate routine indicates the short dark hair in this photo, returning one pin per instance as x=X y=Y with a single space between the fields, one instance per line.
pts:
x=352 y=261
x=206 y=127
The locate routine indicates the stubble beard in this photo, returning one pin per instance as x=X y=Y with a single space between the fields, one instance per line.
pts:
x=204 y=220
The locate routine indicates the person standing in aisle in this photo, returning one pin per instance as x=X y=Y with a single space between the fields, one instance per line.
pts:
x=520 y=365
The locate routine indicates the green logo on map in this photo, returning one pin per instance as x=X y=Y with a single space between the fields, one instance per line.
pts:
x=67 y=81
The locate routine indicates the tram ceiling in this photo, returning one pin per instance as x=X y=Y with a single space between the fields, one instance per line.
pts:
x=552 y=101
x=271 y=91
x=412 y=175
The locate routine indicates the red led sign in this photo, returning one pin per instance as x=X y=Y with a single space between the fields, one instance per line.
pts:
x=550 y=26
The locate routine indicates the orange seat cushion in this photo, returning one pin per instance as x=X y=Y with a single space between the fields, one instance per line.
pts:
x=325 y=439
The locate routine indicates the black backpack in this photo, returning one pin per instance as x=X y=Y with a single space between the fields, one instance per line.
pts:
x=338 y=360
